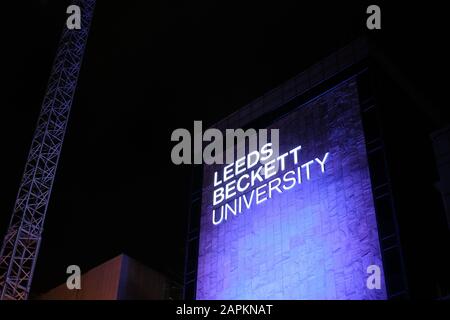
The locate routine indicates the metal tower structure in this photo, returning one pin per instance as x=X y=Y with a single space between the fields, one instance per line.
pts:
x=21 y=244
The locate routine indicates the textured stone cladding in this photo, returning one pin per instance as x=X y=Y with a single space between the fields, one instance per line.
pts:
x=314 y=241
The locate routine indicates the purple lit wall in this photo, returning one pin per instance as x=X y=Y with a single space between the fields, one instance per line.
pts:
x=314 y=241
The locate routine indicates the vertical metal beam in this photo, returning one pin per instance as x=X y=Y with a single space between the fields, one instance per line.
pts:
x=20 y=246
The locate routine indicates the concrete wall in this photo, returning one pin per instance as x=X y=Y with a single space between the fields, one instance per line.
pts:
x=121 y=278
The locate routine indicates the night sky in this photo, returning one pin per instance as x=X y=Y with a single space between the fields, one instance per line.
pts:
x=151 y=67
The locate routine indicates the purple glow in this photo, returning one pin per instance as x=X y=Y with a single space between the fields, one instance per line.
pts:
x=314 y=241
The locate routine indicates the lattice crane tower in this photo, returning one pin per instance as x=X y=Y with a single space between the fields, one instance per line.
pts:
x=20 y=246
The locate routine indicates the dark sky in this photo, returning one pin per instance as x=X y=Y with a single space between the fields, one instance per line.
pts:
x=154 y=66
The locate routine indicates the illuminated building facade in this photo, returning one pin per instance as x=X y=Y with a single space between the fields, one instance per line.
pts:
x=317 y=237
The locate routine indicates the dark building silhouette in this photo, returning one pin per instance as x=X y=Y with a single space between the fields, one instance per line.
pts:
x=408 y=178
x=441 y=143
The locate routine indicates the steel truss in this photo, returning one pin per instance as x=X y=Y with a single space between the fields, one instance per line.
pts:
x=21 y=243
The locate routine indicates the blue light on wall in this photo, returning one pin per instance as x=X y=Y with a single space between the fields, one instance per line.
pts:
x=313 y=241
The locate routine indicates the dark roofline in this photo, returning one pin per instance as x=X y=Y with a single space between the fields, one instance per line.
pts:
x=323 y=70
